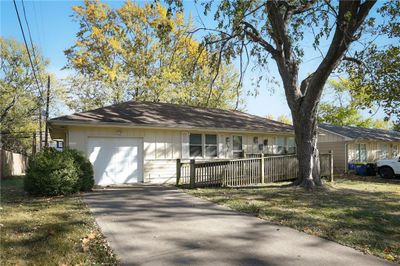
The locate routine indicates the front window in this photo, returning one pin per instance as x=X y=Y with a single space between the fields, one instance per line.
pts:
x=195 y=145
x=382 y=150
x=361 y=152
x=291 y=145
x=211 y=145
x=237 y=147
x=200 y=142
x=395 y=150
x=280 y=144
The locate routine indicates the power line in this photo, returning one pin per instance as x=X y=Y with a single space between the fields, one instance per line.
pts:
x=34 y=73
x=26 y=45
x=33 y=49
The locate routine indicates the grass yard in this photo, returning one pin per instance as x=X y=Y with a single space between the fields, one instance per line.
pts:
x=360 y=213
x=48 y=231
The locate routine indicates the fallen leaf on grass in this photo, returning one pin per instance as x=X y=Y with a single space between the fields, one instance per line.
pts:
x=85 y=244
x=389 y=257
x=387 y=250
x=86 y=241
x=91 y=236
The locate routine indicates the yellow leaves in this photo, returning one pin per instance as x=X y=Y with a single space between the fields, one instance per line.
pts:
x=387 y=252
x=180 y=18
x=96 y=32
x=86 y=241
x=162 y=11
x=114 y=43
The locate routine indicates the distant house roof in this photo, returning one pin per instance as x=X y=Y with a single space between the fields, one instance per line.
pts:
x=363 y=133
x=172 y=116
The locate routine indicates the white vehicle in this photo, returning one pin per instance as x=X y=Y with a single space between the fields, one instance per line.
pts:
x=388 y=168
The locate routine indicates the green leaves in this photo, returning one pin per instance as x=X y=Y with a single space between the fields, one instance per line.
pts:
x=20 y=97
x=343 y=101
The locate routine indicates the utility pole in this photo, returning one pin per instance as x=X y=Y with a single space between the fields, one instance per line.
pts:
x=46 y=130
x=33 y=143
x=40 y=124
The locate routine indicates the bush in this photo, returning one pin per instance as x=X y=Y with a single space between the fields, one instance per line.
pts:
x=51 y=173
x=84 y=168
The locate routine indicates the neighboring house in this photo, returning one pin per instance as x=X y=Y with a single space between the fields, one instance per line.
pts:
x=140 y=141
x=356 y=144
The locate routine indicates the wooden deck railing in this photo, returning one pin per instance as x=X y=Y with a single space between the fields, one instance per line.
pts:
x=244 y=172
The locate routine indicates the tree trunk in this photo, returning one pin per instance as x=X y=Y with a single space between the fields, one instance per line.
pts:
x=307 y=152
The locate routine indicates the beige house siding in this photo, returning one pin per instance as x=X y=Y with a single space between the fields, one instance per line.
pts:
x=339 y=154
x=161 y=147
x=373 y=153
x=326 y=136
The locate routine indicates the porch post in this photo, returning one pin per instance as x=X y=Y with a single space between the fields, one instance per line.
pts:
x=262 y=169
x=178 y=171
x=192 y=173
x=331 y=164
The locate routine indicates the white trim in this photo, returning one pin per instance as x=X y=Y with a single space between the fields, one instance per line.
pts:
x=166 y=127
x=203 y=146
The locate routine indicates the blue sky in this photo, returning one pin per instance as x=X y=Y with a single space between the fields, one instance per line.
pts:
x=53 y=30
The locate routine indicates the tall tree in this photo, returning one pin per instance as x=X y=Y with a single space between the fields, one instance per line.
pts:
x=142 y=52
x=275 y=30
x=20 y=96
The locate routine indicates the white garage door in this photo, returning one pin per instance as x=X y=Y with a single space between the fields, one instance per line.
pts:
x=116 y=160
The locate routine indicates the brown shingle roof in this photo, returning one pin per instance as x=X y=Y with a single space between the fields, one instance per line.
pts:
x=363 y=133
x=173 y=115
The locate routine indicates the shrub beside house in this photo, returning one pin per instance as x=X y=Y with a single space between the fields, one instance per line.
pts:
x=51 y=172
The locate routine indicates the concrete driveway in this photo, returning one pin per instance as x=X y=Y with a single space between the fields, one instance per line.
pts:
x=154 y=225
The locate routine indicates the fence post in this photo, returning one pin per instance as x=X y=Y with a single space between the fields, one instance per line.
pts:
x=178 y=171
x=331 y=164
x=262 y=169
x=192 y=173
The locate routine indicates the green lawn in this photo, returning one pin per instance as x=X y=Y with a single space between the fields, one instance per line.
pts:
x=363 y=213
x=48 y=231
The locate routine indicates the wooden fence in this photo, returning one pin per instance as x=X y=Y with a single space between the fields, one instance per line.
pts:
x=12 y=164
x=244 y=172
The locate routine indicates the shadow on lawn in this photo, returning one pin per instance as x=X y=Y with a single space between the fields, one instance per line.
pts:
x=367 y=220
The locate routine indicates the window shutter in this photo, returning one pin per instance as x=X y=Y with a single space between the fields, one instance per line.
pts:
x=185 y=145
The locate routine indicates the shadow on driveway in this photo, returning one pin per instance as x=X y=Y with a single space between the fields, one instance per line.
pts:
x=156 y=225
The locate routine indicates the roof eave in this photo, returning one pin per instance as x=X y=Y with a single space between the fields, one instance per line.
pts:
x=346 y=138
x=132 y=125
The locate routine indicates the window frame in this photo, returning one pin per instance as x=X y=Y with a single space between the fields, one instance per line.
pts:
x=203 y=146
x=210 y=145
x=393 y=155
x=379 y=150
x=284 y=151
x=196 y=145
x=241 y=151
x=358 y=152
x=289 y=147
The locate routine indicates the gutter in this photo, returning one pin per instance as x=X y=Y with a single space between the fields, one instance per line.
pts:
x=169 y=127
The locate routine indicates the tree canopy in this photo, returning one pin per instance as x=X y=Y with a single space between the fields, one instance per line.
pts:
x=143 y=52
x=375 y=70
x=341 y=104
x=20 y=96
